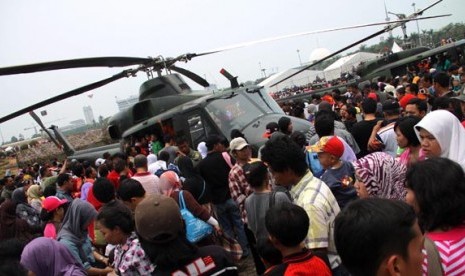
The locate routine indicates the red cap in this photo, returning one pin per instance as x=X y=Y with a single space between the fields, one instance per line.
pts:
x=331 y=145
x=52 y=202
x=373 y=96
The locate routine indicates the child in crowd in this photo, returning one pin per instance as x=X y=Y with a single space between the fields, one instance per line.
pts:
x=339 y=175
x=258 y=202
x=261 y=199
x=288 y=225
x=269 y=255
x=156 y=145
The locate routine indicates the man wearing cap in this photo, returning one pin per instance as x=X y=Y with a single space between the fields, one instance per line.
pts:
x=238 y=185
x=383 y=136
x=286 y=161
x=161 y=232
x=339 y=175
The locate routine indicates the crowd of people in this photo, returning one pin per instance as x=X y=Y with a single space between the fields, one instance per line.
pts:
x=315 y=85
x=375 y=187
x=46 y=148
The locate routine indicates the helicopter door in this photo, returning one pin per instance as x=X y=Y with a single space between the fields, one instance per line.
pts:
x=198 y=126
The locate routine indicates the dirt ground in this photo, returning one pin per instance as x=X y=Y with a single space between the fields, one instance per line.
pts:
x=246 y=267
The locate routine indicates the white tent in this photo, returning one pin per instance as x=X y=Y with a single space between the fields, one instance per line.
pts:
x=396 y=48
x=302 y=78
x=346 y=64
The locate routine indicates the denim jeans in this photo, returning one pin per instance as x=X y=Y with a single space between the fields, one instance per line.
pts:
x=230 y=220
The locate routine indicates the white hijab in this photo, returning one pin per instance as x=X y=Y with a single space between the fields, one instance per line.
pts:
x=449 y=133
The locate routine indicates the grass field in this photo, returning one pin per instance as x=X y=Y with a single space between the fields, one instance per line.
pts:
x=8 y=163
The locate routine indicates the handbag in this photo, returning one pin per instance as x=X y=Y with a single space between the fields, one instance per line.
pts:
x=196 y=229
x=231 y=245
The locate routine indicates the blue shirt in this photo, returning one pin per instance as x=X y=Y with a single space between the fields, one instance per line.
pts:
x=341 y=181
x=86 y=249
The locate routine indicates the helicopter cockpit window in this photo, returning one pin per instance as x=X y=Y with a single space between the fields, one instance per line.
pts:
x=265 y=101
x=233 y=112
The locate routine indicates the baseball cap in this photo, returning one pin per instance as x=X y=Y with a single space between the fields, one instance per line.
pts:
x=237 y=144
x=51 y=203
x=389 y=88
x=329 y=144
x=390 y=105
x=270 y=128
x=373 y=96
x=99 y=162
x=158 y=219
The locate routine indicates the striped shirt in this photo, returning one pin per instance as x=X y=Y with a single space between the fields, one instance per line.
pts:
x=451 y=247
x=318 y=201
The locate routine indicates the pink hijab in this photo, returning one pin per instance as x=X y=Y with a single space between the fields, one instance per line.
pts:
x=169 y=182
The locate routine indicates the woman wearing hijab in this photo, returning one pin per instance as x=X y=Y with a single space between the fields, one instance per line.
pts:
x=170 y=185
x=47 y=257
x=380 y=175
x=442 y=135
x=34 y=199
x=24 y=210
x=74 y=236
x=11 y=226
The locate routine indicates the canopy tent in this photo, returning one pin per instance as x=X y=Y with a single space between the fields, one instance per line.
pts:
x=346 y=64
x=303 y=78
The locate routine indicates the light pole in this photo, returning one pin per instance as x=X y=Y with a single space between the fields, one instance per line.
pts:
x=298 y=54
x=418 y=26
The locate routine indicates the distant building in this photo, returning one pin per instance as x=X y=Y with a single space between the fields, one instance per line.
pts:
x=89 y=115
x=73 y=125
x=127 y=102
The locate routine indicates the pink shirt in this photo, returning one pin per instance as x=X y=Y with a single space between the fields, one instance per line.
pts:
x=50 y=231
x=451 y=247
x=149 y=181
x=404 y=157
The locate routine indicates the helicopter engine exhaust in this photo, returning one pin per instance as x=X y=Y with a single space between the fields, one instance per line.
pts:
x=233 y=80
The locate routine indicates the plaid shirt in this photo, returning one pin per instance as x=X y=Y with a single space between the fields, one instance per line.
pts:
x=321 y=206
x=130 y=258
x=239 y=188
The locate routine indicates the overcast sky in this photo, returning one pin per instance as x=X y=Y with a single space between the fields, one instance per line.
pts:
x=39 y=31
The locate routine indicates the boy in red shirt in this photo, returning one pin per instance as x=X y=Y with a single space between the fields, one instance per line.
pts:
x=287 y=225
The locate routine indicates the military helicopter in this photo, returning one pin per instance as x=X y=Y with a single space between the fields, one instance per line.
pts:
x=167 y=105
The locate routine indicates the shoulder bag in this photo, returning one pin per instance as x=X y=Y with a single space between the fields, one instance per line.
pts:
x=196 y=229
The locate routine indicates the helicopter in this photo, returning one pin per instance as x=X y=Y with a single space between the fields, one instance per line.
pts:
x=167 y=105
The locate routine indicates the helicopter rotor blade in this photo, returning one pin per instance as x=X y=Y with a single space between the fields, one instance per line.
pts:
x=386 y=29
x=191 y=75
x=68 y=94
x=39 y=122
x=75 y=63
x=251 y=43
